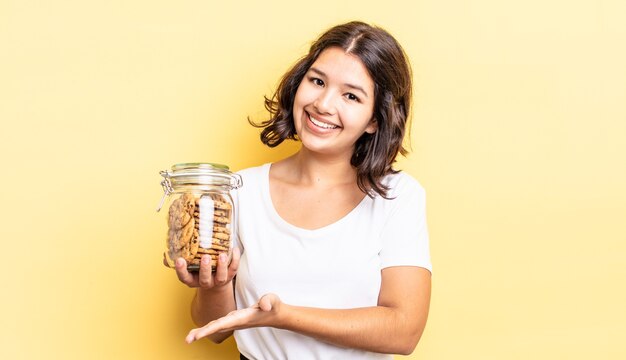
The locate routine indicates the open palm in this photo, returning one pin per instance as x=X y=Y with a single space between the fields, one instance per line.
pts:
x=258 y=315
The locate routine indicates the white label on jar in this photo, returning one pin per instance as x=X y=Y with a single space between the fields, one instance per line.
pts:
x=206 y=221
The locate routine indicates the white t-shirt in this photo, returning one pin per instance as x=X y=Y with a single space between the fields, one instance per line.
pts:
x=335 y=267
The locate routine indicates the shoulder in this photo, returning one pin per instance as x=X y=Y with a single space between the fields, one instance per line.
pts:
x=255 y=173
x=402 y=185
x=253 y=182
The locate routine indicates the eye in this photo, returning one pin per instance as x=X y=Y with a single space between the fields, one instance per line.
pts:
x=352 y=97
x=317 y=81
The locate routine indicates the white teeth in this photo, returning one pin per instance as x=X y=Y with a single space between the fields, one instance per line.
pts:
x=322 y=124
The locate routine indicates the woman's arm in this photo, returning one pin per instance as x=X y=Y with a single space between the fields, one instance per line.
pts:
x=208 y=305
x=395 y=325
x=215 y=294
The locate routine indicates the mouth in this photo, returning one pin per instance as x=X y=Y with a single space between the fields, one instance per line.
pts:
x=322 y=124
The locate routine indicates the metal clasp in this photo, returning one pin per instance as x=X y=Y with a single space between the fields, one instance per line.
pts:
x=235 y=181
x=167 y=188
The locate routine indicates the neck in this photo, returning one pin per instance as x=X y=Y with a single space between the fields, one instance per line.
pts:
x=323 y=170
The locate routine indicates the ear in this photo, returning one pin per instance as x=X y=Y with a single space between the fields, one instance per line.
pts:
x=372 y=126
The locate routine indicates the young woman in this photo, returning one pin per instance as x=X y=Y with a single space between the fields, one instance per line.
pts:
x=332 y=260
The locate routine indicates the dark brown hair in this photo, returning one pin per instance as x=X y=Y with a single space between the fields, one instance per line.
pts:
x=388 y=67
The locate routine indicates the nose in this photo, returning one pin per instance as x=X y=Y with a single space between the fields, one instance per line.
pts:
x=324 y=103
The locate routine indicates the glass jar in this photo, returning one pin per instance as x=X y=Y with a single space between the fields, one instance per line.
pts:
x=201 y=212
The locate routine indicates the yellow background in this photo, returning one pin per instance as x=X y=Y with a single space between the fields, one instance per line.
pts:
x=519 y=137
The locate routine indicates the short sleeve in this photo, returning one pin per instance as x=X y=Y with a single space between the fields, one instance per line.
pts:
x=235 y=227
x=405 y=233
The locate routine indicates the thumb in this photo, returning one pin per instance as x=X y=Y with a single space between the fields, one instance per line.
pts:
x=268 y=301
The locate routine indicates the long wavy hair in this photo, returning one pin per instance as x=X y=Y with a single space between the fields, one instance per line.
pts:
x=388 y=66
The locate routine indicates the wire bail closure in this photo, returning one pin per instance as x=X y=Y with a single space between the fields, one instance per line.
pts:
x=198 y=174
x=235 y=181
x=167 y=188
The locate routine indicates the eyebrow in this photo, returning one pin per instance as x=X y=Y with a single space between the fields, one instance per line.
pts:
x=352 y=86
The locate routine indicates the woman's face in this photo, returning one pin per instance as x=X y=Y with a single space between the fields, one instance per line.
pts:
x=334 y=103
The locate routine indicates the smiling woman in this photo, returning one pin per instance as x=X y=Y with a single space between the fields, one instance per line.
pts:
x=387 y=66
x=332 y=257
x=329 y=118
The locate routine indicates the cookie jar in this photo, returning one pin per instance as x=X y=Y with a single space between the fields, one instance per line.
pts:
x=201 y=212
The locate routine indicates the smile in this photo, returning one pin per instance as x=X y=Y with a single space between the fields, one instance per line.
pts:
x=321 y=124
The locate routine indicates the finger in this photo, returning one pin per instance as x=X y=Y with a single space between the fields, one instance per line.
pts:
x=234 y=263
x=233 y=321
x=181 y=271
x=191 y=337
x=206 y=330
x=205 y=276
x=221 y=274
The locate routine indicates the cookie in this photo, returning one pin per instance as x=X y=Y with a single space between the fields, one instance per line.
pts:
x=195 y=244
x=179 y=238
x=222 y=242
x=182 y=234
x=210 y=251
x=221 y=236
x=187 y=232
x=168 y=260
x=196 y=262
x=186 y=254
x=221 y=219
x=221 y=212
x=221 y=229
x=181 y=211
x=222 y=205
x=184 y=230
x=219 y=247
x=211 y=256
